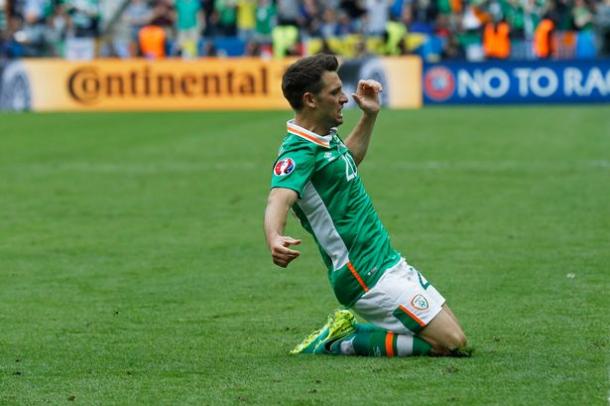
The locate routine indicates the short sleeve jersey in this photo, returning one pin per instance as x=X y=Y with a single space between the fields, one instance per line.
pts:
x=335 y=209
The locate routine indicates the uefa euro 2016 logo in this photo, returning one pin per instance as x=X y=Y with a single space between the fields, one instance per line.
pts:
x=284 y=167
x=439 y=83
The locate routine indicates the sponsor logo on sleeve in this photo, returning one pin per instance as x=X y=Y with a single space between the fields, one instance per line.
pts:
x=284 y=167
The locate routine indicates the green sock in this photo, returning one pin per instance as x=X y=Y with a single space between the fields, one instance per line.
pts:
x=372 y=341
x=420 y=347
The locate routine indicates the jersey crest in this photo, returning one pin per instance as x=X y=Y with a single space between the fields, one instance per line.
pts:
x=419 y=302
x=284 y=167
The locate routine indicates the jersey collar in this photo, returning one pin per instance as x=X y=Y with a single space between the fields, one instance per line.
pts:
x=310 y=136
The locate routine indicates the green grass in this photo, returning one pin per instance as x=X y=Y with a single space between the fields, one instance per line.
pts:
x=133 y=267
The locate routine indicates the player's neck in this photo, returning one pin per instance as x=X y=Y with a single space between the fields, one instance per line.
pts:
x=309 y=123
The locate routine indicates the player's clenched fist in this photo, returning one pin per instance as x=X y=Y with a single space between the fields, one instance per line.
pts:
x=367 y=95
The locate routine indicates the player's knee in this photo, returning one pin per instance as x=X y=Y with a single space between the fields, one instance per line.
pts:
x=457 y=340
x=452 y=340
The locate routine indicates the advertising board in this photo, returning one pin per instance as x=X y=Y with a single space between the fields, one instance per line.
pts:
x=517 y=82
x=204 y=84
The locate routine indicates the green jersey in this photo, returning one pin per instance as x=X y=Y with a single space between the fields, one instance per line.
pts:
x=335 y=209
x=187 y=13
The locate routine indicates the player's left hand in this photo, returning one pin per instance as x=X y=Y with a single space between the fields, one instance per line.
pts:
x=367 y=96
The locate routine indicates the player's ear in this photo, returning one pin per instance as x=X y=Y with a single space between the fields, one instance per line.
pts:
x=309 y=100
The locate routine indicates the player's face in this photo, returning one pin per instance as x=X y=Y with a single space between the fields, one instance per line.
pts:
x=330 y=100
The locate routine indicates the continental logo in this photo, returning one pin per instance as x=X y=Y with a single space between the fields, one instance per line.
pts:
x=89 y=84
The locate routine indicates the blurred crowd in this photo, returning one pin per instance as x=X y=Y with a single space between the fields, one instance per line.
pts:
x=435 y=29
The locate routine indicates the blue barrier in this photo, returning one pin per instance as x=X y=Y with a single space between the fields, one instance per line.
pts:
x=225 y=46
x=509 y=82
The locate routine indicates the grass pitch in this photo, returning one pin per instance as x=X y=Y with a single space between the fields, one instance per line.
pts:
x=133 y=268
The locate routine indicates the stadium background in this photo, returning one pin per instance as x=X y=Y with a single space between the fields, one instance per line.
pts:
x=492 y=51
x=132 y=262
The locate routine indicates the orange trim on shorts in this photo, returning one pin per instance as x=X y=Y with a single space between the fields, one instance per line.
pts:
x=358 y=278
x=412 y=316
x=389 y=344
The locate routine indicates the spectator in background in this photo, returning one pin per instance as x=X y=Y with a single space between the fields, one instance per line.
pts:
x=393 y=38
x=472 y=22
x=189 y=22
x=246 y=19
x=520 y=18
x=423 y=15
x=543 y=44
x=285 y=35
x=397 y=7
x=119 y=40
x=58 y=27
x=563 y=14
x=137 y=15
x=311 y=17
x=602 y=23
x=85 y=20
x=227 y=17
x=576 y=28
x=85 y=15
x=582 y=15
x=34 y=34
x=3 y=16
x=514 y=14
x=265 y=20
x=453 y=49
x=288 y=13
x=153 y=41
x=532 y=18
x=407 y=16
x=356 y=11
x=211 y=18
x=330 y=24
x=496 y=40
x=442 y=29
x=534 y=11
x=583 y=22
x=164 y=17
x=156 y=38
x=14 y=47
x=3 y=27
x=377 y=12
x=343 y=25
x=285 y=41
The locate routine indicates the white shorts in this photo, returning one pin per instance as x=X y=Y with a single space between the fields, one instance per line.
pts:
x=402 y=301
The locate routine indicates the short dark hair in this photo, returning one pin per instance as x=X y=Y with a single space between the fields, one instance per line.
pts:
x=305 y=75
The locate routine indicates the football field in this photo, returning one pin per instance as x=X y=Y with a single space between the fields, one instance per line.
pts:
x=133 y=267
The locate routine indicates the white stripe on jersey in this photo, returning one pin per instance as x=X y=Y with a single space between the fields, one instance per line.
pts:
x=323 y=227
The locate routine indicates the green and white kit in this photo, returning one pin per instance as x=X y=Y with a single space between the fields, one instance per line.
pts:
x=335 y=209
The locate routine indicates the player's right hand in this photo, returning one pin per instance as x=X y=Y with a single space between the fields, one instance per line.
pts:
x=281 y=253
x=367 y=96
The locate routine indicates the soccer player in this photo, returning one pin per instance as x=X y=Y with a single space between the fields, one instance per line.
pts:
x=316 y=174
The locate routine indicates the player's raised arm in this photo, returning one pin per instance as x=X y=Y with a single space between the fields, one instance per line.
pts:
x=279 y=202
x=367 y=99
